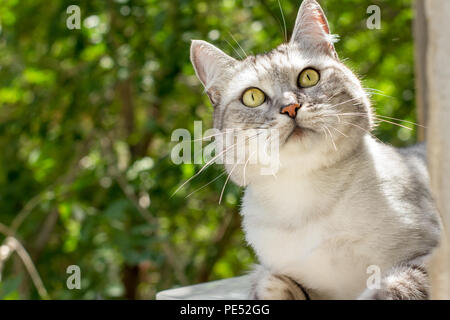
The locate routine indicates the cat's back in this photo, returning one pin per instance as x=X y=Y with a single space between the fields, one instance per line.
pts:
x=415 y=158
x=397 y=181
x=417 y=151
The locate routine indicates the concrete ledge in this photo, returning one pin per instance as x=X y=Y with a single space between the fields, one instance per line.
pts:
x=228 y=289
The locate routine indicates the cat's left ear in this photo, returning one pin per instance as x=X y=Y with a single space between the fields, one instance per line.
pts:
x=311 y=30
x=210 y=64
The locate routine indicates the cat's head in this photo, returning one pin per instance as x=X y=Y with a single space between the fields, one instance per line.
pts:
x=300 y=88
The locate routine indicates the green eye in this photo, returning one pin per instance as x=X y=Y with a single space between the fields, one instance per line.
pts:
x=253 y=97
x=308 y=78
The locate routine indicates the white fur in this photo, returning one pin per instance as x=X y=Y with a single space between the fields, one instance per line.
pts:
x=340 y=201
x=299 y=228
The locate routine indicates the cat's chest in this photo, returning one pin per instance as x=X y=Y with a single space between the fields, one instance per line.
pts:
x=281 y=248
x=296 y=230
x=316 y=256
x=284 y=229
x=289 y=221
x=288 y=201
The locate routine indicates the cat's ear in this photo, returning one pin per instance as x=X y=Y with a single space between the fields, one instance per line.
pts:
x=209 y=62
x=311 y=30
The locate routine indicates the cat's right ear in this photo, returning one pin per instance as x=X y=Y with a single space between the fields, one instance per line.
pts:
x=311 y=30
x=209 y=63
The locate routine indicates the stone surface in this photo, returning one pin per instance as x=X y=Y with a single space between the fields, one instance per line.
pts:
x=227 y=289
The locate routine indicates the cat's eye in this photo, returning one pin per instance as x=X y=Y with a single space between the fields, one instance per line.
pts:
x=308 y=78
x=253 y=97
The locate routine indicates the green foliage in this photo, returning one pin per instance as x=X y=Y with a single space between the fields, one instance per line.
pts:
x=85 y=125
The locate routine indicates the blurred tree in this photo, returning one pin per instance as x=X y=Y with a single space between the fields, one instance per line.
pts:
x=85 y=125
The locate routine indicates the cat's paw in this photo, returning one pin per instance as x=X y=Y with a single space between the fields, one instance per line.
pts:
x=268 y=286
x=405 y=282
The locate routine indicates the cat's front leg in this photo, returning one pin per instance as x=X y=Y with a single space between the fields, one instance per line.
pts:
x=270 y=286
x=407 y=281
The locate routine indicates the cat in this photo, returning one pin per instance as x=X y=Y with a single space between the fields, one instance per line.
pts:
x=341 y=203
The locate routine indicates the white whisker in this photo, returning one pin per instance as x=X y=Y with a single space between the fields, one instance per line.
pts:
x=245 y=165
x=238 y=44
x=340 y=103
x=331 y=136
x=284 y=21
x=376 y=118
x=226 y=181
x=205 y=185
x=234 y=49
x=339 y=131
x=218 y=134
x=368 y=132
x=210 y=162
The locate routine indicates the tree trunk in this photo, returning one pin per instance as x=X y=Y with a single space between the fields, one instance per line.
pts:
x=437 y=16
x=420 y=29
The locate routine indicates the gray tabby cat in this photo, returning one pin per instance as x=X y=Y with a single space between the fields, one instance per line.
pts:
x=341 y=201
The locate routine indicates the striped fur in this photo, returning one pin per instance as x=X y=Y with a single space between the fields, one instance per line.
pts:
x=402 y=282
x=268 y=286
x=340 y=201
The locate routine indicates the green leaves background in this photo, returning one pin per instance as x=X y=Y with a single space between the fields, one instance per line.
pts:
x=85 y=123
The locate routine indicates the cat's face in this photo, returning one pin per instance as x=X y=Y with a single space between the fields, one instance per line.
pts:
x=301 y=89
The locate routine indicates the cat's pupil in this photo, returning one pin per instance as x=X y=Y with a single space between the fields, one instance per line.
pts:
x=253 y=98
x=308 y=77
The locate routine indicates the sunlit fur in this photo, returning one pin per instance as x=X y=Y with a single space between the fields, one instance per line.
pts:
x=341 y=201
x=324 y=130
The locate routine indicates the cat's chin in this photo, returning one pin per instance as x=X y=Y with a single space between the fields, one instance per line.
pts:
x=299 y=133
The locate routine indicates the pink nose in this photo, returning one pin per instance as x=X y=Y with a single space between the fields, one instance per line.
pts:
x=290 y=110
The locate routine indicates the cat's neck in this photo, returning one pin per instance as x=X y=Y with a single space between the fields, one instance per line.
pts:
x=299 y=189
x=298 y=161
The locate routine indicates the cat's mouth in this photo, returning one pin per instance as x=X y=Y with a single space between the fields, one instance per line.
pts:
x=299 y=132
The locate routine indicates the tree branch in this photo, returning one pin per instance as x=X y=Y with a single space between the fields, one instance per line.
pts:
x=69 y=176
x=221 y=240
x=15 y=246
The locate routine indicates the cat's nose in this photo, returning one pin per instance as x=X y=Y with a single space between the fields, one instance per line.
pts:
x=290 y=110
